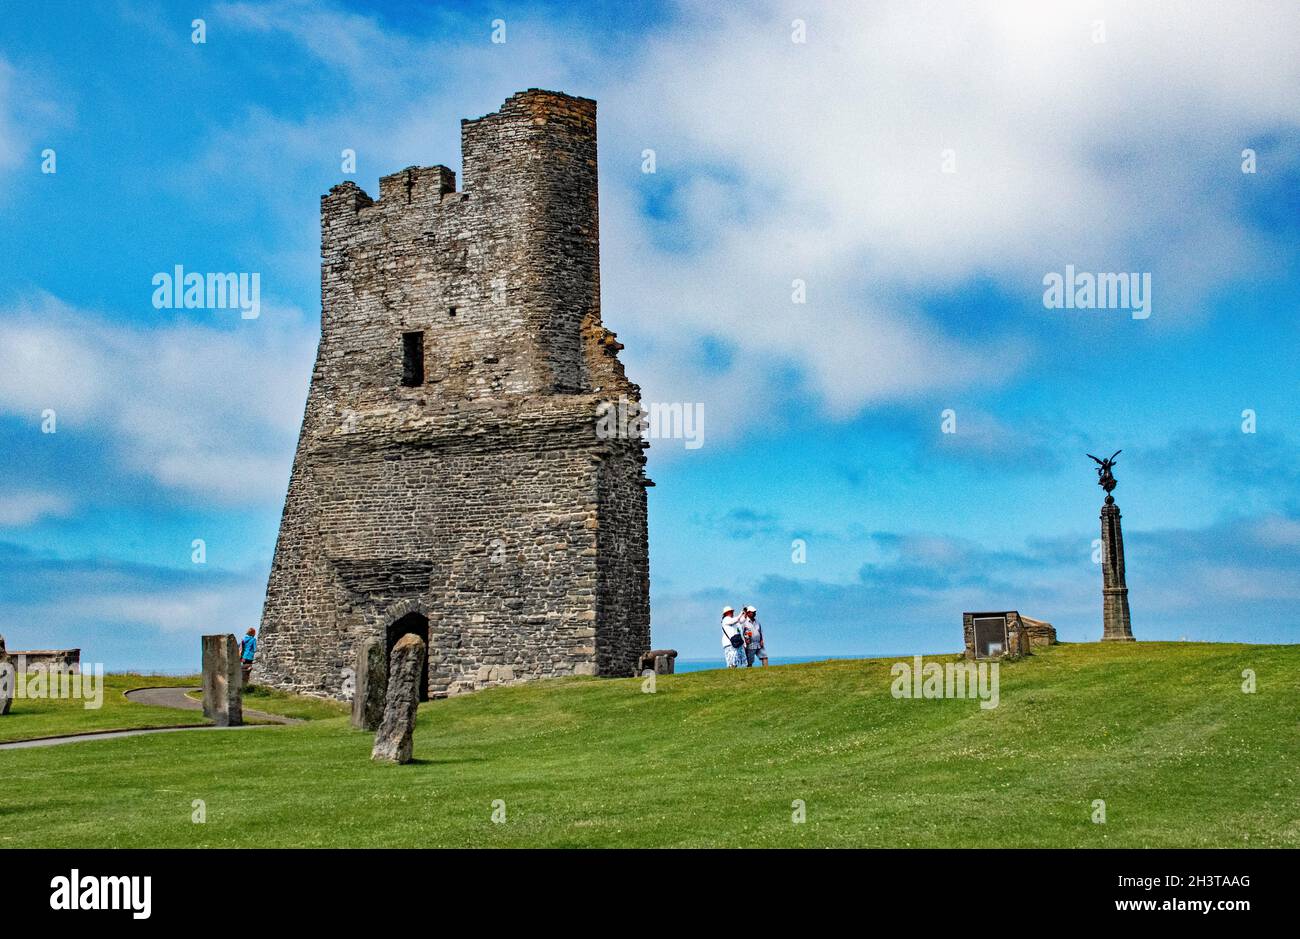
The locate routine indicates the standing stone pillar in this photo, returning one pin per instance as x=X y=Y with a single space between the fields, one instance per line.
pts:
x=371 y=685
x=395 y=739
x=223 y=682
x=8 y=679
x=1116 y=626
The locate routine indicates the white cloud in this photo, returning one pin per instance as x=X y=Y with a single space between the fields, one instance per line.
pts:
x=909 y=594
x=22 y=508
x=203 y=410
x=1276 y=531
x=191 y=610
x=822 y=161
x=122 y=614
x=29 y=108
x=1067 y=152
x=11 y=142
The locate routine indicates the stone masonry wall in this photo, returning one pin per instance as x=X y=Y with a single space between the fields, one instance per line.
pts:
x=481 y=497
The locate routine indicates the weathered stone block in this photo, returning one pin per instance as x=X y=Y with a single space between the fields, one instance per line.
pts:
x=1040 y=633
x=46 y=660
x=661 y=661
x=7 y=679
x=395 y=739
x=370 y=685
x=223 y=683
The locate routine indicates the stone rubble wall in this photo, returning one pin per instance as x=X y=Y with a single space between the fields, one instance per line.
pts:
x=46 y=660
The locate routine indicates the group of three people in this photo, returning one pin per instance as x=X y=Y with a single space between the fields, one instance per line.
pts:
x=742 y=638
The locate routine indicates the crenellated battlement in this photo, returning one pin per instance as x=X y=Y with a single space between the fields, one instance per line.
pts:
x=418 y=191
x=498 y=154
x=417 y=184
x=501 y=280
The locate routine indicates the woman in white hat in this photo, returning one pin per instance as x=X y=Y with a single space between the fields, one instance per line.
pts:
x=733 y=640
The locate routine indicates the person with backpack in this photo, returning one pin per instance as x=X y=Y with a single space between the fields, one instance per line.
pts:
x=248 y=649
x=733 y=640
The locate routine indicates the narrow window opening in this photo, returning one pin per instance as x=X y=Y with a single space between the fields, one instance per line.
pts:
x=412 y=359
x=451 y=311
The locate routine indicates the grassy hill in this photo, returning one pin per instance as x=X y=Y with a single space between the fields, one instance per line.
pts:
x=1161 y=731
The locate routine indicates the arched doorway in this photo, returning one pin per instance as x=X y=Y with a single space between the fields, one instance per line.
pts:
x=412 y=624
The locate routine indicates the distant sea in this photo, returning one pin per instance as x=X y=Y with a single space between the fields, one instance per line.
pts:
x=703 y=665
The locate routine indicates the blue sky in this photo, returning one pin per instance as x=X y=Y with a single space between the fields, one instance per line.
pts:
x=776 y=161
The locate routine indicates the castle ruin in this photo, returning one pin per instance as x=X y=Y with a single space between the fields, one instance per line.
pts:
x=449 y=479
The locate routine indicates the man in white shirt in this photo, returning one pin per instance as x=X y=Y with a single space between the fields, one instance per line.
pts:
x=755 y=644
x=733 y=653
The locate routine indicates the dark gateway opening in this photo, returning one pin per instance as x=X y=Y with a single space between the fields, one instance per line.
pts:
x=412 y=624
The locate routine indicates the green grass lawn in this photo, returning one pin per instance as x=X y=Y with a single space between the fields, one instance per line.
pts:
x=30 y=718
x=260 y=698
x=1161 y=731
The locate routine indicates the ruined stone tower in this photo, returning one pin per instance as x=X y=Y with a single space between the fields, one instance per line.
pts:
x=449 y=478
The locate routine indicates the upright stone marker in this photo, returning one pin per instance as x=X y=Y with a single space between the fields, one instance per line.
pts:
x=223 y=683
x=371 y=686
x=394 y=741
x=1116 y=626
x=7 y=679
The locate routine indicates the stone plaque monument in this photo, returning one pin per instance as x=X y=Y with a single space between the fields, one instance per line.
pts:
x=997 y=635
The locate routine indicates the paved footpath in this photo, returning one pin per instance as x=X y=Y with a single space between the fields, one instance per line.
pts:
x=157 y=697
x=108 y=735
x=179 y=698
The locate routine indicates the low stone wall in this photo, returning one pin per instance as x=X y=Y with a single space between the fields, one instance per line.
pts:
x=46 y=660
